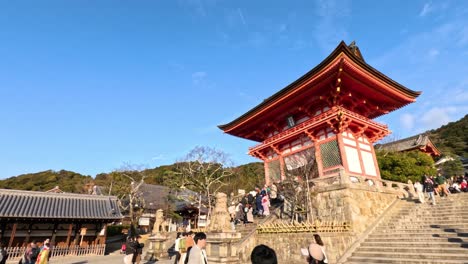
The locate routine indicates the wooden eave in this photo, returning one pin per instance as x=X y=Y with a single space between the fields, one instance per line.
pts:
x=319 y=121
x=329 y=62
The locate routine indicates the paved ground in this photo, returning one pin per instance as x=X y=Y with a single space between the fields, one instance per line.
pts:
x=109 y=259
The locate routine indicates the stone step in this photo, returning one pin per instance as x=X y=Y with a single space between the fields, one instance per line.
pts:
x=420 y=224
x=415 y=239
x=356 y=260
x=425 y=243
x=461 y=212
x=414 y=249
x=428 y=229
x=403 y=235
x=398 y=255
x=429 y=221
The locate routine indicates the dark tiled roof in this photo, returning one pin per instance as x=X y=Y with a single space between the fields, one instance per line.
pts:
x=353 y=53
x=414 y=142
x=156 y=197
x=28 y=204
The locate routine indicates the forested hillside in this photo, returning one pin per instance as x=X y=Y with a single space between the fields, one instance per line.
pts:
x=245 y=176
x=452 y=138
x=449 y=139
x=68 y=181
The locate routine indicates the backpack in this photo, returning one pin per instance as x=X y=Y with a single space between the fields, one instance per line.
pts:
x=34 y=253
x=182 y=246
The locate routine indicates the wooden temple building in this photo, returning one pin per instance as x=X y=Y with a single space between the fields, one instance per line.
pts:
x=325 y=117
x=66 y=219
x=420 y=142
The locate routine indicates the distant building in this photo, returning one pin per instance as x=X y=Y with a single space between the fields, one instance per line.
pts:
x=184 y=203
x=66 y=219
x=420 y=142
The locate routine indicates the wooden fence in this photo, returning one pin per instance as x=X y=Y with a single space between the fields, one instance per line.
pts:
x=15 y=253
x=304 y=227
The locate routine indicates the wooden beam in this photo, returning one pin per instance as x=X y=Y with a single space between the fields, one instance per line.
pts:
x=13 y=233
x=70 y=230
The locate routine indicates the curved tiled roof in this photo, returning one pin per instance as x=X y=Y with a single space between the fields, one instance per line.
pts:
x=410 y=143
x=354 y=54
x=29 y=204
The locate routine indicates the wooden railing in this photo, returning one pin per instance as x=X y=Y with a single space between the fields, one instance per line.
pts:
x=304 y=227
x=15 y=253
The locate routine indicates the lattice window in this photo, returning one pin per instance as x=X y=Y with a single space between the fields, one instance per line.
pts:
x=274 y=170
x=330 y=154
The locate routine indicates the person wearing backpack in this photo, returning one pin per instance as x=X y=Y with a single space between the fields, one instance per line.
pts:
x=3 y=254
x=44 y=255
x=183 y=247
x=30 y=256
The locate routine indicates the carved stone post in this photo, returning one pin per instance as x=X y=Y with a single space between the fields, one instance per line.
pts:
x=157 y=242
x=220 y=236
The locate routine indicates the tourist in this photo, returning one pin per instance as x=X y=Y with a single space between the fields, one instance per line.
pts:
x=262 y=254
x=258 y=203
x=419 y=191
x=138 y=249
x=198 y=253
x=240 y=213
x=183 y=247
x=249 y=214
x=441 y=186
x=232 y=211
x=31 y=256
x=44 y=255
x=266 y=205
x=273 y=193
x=464 y=186
x=129 y=251
x=3 y=254
x=176 y=248
x=429 y=189
x=317 y=253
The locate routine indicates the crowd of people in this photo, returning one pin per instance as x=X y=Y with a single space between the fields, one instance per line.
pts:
x=314 y=254
x=133 y=250
x=439 y=186
x=189 y=248
x=254 y=204
x=33 y=254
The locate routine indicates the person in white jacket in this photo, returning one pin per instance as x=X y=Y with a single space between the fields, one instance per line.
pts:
x=197 y=253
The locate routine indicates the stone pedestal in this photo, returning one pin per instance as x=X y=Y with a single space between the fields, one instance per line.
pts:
x=157 y=247
x=220 y=247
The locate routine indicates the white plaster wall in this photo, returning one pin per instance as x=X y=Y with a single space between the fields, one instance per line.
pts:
x=353 y=159
x=368 y=161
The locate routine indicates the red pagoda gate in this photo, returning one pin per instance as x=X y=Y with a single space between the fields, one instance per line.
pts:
x=324 y=118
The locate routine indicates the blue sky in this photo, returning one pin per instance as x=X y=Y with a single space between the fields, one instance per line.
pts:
x=90 y=85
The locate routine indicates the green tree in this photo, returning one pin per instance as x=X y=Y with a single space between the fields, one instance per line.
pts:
x=404 y=166
x=452 y=168
x=203 y=170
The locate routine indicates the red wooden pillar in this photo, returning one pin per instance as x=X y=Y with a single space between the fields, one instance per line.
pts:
x=13 y=233
x=70 y=229
x=267 y=172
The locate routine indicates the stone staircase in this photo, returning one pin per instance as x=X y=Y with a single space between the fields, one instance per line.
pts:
x=419 y=233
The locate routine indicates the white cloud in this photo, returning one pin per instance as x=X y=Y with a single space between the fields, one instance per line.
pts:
x=427 y=8
x=158 y=157
x=433 y=53
x=198 y=77
x=241 y=15
x=330 y=28
x=282 y=28
x=407 y=121
x=437 y=116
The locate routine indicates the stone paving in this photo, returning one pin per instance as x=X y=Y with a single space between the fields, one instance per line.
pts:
x=108 y=259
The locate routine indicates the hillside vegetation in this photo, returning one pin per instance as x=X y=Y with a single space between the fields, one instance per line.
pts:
x=452 y=138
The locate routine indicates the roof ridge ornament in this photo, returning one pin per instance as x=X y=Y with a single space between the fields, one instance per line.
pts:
x=355 y=50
